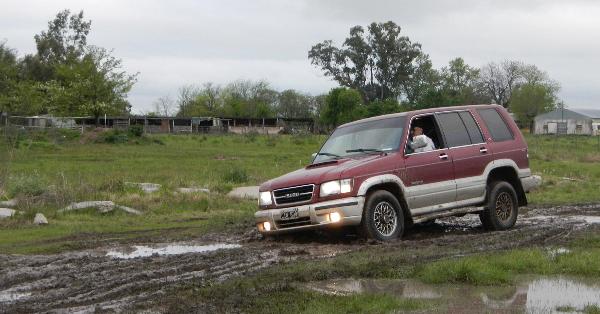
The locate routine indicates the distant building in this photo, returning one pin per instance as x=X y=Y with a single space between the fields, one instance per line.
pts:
x=568 y=121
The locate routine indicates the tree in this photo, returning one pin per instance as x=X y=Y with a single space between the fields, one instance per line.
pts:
x=164 y=106
x=97 y=85
x=65 y=40
x=342 y=105
x=246 y=98
x=425 y=79
x=8 y=76
x=377 y=64
x=530 y=100
x=292 y=104
x=497 y=81
x=186 y=100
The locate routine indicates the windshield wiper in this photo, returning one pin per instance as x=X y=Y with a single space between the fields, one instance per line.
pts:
x=365 y=150
x=328 y=154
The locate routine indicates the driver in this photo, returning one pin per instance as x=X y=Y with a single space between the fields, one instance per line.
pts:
x=421 y=142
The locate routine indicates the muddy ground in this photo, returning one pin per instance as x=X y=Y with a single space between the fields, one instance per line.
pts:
x=88 y=281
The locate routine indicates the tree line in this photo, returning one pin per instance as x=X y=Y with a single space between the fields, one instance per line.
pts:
x=378 y=69
x=65 y=76
x=381 y=71
x=241 y=98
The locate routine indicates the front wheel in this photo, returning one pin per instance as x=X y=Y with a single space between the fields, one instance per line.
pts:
x=383 y=219
x=501 y=210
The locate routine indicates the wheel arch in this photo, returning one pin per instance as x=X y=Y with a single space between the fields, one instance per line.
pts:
x=509 y=174
x=392 y=184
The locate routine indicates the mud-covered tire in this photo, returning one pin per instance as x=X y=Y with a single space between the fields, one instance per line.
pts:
x=383 y=219
x=502 y=207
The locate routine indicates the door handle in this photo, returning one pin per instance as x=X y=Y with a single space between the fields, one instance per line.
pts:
x=444 y=156
x=483 y=150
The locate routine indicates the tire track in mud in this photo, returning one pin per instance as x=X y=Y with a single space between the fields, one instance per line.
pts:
x=87 y=281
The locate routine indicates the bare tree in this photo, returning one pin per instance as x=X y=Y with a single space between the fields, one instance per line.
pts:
x=164 y=106
x=498 y=81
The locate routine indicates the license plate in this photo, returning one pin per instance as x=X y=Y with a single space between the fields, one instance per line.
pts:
x=289 y=214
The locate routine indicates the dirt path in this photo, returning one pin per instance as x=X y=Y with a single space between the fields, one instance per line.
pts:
x=87 y=281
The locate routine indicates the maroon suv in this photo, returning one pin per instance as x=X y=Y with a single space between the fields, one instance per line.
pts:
x=384 y=173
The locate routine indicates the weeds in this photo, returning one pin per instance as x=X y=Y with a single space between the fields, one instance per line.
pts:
x=26 y=185
x=236 y=175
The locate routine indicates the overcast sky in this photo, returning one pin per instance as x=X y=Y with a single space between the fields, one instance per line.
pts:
x=177 y=42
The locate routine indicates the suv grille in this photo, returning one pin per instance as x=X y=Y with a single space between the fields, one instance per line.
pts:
x=294 y=194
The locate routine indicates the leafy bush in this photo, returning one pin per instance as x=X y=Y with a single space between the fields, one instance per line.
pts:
x=113 y=137
x=251 y=136
x=136 y=130
x=236 y=175
x=26 y=185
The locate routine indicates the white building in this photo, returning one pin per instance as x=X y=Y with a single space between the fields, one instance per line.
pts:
x=568 y=121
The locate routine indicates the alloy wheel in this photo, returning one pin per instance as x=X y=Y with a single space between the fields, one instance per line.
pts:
x=385 y=218
x=504 y=206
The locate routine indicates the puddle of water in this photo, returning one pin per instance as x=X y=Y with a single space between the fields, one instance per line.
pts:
x=541 y=295
x=589 y=220
x=12 y=296
x=145 y=251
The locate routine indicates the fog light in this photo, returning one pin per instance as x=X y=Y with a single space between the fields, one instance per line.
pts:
x=267 y=226
x=335 y=217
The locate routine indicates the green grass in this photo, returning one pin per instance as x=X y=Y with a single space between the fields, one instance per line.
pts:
x=569 y=166
x=48 y=177
x=47 y=171
x=501 y=268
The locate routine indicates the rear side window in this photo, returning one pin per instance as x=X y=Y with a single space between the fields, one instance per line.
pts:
x=472 y=128
x=454 y=129
x=496 y=125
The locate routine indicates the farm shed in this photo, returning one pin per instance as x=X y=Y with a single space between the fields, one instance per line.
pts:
x=568 y=121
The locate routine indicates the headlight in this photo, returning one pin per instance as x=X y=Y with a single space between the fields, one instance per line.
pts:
x=336 y=187
x=265 y=199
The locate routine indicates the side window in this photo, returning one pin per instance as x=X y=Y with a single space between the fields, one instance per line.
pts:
x=497 y=127
x=472 y=127
x=454 y=129
x=424 y=125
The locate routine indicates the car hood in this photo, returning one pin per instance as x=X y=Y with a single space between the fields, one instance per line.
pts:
x=317 y=173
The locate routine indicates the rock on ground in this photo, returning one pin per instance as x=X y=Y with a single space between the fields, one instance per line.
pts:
x=193 y=190
x=7 y=212
x=250 y=192
x=40 y=219
x=9 y=203
x=144 y=186
x=102 y=206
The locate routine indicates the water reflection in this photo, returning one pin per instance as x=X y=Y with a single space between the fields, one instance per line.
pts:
x=538 y=295
x=145 y=251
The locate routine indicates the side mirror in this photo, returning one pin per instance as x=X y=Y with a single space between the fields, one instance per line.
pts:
x=314 y=155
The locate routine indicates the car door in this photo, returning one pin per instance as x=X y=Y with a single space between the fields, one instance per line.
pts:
x=469 y=152
x=430 y=178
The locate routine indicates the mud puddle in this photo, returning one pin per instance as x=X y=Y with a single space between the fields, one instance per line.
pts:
x=532 y=295
x=173 y=249
x=12 y=296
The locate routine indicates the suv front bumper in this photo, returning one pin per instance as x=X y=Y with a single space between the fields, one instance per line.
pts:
x=312 y=216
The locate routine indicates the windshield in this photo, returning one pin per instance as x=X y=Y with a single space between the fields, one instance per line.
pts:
x=363 y=138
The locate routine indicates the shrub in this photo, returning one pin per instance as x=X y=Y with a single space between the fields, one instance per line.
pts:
x=251 y=136
x=113 y=137
x=235 y=175
x=135 y=130
x=26 y=185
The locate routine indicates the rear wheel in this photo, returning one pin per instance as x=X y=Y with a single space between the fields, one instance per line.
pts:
x=383 y=219
x=501 y=210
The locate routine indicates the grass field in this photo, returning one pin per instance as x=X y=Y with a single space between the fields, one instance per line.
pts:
x=48 y=171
